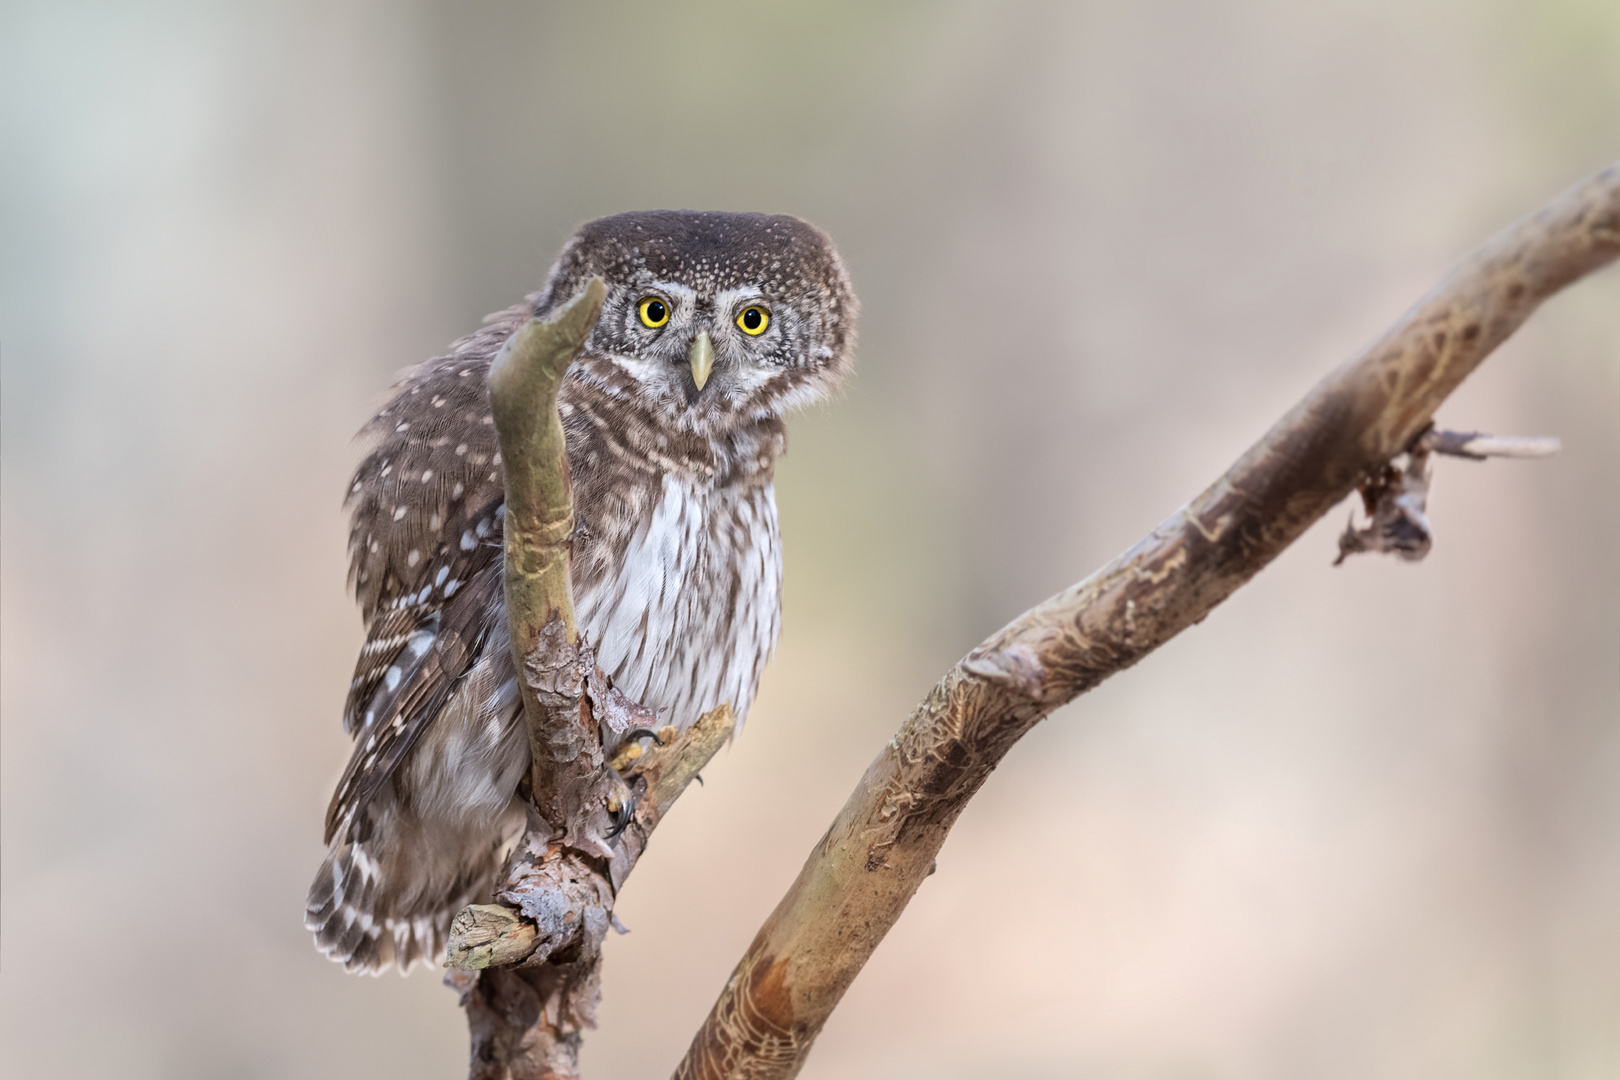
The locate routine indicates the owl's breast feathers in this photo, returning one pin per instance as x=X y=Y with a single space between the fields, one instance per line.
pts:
x=676 y=562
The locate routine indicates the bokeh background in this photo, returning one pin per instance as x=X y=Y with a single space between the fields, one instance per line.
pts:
x=1363 y=822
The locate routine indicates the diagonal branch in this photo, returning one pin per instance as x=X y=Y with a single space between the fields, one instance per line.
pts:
x=862 y=874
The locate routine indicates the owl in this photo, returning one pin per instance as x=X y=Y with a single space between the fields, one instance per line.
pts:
x=714 y=327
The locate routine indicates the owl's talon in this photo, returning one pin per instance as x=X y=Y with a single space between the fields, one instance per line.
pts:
x=643 y=733
x=623 y=812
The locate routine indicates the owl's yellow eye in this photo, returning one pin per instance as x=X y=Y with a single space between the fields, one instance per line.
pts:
x=754 y=320
x=654 y=312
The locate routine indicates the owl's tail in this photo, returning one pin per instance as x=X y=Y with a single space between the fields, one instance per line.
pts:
x=353 y=925
x=388 y=900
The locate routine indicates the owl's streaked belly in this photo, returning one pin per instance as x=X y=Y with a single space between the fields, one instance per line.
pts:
x=688 y=616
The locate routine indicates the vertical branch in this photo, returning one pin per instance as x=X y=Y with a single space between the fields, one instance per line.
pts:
x=538 y=526
x=526 y=1023
x=529 y=964
x=531 y=971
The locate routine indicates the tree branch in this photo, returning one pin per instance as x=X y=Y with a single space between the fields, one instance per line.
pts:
x=490 y=935
x=538 y=954
x=529 y=965
x=538 y=526
x=862 y=874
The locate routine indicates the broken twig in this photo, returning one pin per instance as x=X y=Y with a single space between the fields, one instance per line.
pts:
x=1478 y=447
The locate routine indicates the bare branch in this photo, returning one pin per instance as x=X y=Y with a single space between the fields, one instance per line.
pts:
x=862 y=874
x=537 y=949
x=528 y=1023
x=539 y=524
x=529 y=965
x=489 y=935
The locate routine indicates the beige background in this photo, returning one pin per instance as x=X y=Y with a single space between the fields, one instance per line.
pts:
x=1361 y=823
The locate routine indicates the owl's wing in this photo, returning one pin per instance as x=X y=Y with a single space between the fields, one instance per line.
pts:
x=421 y=503
x=425 y=549
x=413 y=690
x=465 y=548
x=435 y=461
x=419 y=643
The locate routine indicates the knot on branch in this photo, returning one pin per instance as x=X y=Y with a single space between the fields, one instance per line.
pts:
x=1014 y=669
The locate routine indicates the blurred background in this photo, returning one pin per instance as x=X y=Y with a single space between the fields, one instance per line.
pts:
x=1363 y=822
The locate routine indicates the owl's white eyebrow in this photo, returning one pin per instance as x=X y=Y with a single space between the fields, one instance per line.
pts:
x=728 y=299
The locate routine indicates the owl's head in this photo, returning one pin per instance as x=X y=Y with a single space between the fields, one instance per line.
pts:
x=710 y=318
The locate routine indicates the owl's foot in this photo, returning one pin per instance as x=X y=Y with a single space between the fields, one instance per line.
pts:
x=622 y=805
x=630 y=747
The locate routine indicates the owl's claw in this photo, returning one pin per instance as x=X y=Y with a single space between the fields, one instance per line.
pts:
x=622 y=804
x=622 y=809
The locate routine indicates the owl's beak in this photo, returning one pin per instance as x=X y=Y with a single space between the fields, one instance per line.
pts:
x=701 y=357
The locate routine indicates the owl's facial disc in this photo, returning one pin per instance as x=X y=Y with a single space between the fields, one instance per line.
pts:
x=710 y=349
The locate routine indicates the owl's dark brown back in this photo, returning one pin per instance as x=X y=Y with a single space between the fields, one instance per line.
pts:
x=676 y=563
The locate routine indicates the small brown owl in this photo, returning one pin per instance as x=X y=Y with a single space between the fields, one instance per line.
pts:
x=714 y=326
